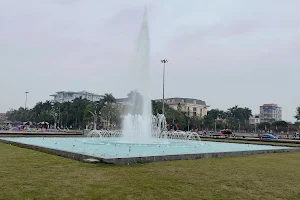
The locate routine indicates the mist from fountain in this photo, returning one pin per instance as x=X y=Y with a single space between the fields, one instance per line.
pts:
x=137 y=124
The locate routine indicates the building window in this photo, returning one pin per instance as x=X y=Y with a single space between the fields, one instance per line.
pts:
x=194 y=111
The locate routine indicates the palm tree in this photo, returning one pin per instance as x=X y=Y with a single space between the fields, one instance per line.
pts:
x=108 y=98
x=297 y=116
x=247 y=113
x=101 y=107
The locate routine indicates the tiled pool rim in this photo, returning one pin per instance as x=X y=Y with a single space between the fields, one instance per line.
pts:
x=144 y=159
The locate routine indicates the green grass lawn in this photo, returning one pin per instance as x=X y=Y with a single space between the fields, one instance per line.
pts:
x=28 y=174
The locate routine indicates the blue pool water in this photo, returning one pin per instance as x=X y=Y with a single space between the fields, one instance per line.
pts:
x=116 y=148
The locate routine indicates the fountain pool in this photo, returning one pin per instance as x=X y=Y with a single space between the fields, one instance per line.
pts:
x=116 y=148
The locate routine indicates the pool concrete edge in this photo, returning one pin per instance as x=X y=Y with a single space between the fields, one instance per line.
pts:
x=144 y=159
x=67 y=154
x=134 y=160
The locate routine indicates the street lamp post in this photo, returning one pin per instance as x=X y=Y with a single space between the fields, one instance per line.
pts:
x=164 y=61
x=95 y=119
x=25 y=114
x=59 y=116
x=218 y=118
x=26 y=99
x=54 y=115
x=215 y=125
x=173 y=126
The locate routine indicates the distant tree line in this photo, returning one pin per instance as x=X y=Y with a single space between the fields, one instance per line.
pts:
x=81 y=112
x=75 y=114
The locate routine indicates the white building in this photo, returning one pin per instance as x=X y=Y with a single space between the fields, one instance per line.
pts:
x=65 y=96
x=270 y=113
x=255 y=119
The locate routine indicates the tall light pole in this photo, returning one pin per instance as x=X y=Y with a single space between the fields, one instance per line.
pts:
x=164 y=61
x=25 y=105
x=215 y=125
x=218 y=118
x=26 y=99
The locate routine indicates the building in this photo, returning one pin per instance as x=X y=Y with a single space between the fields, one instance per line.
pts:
x=270 y=113
x=255 y=119
x=122 y=101
x=3 y=117
x=65 y=96
x=192 y=107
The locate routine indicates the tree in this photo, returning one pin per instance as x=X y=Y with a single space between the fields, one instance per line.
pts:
x=232 y=123
x=91 y=114
x=172 y=116
x=65 y=115
x=280 y=126
x=108 y=98
x=77 y=109
x=280 y=123
x=102 y=108
x=135 y=100
x=179 y=107
x=157 y=107
x=242 y=114
x=262 y=126
x=216 y=114
x=111 y=114
x=297 y=116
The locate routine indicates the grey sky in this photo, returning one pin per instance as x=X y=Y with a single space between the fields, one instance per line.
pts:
x=233 y=52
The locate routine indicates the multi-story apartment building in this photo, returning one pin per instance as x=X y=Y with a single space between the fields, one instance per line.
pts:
x=65 y=96
x=270 y=113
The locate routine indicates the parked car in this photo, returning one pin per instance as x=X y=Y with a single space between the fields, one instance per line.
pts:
x=269 y=137
x=215 y=133
x=226 y=132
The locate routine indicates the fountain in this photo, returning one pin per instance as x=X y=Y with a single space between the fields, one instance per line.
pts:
x=144 y=136
x=139 y=125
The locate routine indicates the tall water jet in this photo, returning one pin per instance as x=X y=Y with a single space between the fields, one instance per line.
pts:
x=138 y=119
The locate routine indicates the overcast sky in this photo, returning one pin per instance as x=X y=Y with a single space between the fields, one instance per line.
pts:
x=233 y=52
